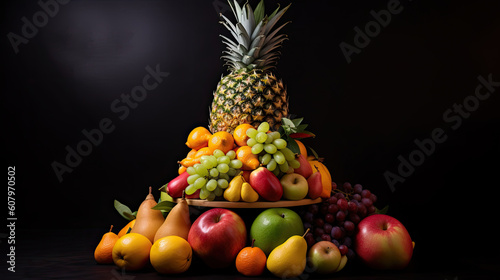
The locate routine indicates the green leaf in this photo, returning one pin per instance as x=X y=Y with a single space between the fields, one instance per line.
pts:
x=292 y=145
x=313 y=152
x=297 y=122
x=124 y=211
x=259 y=11
x=164 y=205
x=383 y=210
x=301 y=127
x=163 y=188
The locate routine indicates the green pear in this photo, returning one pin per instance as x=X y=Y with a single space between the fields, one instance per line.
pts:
x=288 y=260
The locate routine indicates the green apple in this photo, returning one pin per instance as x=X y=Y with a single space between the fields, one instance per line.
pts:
x=274 y=226
x=295 y=186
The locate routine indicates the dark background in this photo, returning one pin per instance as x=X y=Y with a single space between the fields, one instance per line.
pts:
x=365 y=113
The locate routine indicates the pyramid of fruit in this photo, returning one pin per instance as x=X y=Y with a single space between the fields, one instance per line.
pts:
x=249 y=129
x=251 y=155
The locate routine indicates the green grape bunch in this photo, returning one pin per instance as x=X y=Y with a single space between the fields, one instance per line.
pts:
x=272 y=149
x=212 y=175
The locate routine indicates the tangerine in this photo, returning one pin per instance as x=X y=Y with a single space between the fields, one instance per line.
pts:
x=240 y=134
x=198 y=138
x=221 y=140
x=251 y=261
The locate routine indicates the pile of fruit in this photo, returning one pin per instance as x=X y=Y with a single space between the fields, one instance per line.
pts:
x=249 y=165
x=251 y=152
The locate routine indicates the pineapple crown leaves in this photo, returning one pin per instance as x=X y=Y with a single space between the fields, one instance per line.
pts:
x=254 y=45
x=292 y=129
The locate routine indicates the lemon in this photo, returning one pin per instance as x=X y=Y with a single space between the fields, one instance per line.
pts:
x=131 y=251
x=171 y=255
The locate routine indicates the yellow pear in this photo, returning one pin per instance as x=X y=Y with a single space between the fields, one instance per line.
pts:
x=177 y=222
x=288 y=260
x=148 y=221
x=233 y=192
x=248 y=194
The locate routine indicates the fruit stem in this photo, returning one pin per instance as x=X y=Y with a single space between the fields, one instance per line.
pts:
x=110 y=228
x=305 y=232
x=253 y=241
x=150 y=189
x=347 y=195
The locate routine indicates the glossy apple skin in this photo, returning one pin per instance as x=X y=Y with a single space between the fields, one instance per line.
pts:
x=294 y=186
x=383 y=242
x=324 y=257
x=266 y=184
x=217 y=236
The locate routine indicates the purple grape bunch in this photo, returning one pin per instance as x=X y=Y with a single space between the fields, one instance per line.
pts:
x=336 y=218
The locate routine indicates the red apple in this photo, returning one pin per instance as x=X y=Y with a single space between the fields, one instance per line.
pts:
x=324 y=257
x=305 y=168
x=266 y=184
x=195 y=195
x=382 y=242
x=315 y=185
x=217 y=236
x=177 y=185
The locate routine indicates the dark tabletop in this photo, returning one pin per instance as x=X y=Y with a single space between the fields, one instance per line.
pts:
x=68 y=254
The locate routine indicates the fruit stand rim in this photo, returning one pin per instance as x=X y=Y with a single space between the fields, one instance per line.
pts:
x=258 y=204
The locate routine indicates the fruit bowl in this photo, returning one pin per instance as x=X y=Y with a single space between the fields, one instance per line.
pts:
x=257 y=204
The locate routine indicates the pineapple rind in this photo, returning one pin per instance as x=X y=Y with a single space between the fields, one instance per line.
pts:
x=248 y=97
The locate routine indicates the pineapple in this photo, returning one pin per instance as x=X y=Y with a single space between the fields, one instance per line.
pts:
x=251 y=92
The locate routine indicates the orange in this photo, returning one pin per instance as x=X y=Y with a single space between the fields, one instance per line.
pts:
x=131 y=251
x=171 y=255
x=302 y=147
x=103 y=251
x=240 y=134
x=221 y=140
x=251 y=261
x=198 y=138
x=124 y=230
x=250 y=160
